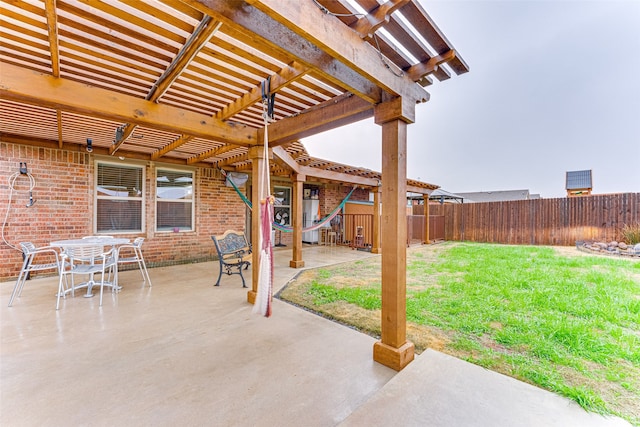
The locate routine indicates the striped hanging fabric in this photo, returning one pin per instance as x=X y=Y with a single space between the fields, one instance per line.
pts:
x=264 y=294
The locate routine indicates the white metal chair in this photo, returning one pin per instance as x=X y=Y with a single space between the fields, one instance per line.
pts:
x=133 y=253
x=95 y=238
x=88 y=260
x=47 y=259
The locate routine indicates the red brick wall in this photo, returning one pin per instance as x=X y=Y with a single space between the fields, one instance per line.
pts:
x=330 y=197
x=64 y=206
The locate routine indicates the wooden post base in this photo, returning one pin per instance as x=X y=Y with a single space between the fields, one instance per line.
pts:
x=251 y=297
x=376 y=250
x=296 y=264
x=394 y=358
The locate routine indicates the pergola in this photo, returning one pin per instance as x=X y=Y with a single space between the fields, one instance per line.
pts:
x=180 y=81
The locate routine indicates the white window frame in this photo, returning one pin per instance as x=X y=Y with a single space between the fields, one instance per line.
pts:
x=192 y=201
x=115 y=197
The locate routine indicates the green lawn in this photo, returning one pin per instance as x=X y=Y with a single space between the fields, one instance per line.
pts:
x=569 y=324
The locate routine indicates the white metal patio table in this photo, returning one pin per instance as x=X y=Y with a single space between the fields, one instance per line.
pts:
x=87 y=242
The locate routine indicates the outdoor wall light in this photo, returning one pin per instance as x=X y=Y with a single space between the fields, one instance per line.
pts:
x=89 y=145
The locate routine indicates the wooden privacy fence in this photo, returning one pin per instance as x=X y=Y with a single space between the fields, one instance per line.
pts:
x=355 y=230
x=415 y=228
x=561 y=221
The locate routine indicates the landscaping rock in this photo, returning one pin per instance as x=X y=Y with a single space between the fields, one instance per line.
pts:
x=610 y=248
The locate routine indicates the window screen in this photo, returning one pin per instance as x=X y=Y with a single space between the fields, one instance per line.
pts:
x=174 y=200
x=119 y=198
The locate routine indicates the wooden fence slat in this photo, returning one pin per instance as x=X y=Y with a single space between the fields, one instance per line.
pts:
x=560 y=221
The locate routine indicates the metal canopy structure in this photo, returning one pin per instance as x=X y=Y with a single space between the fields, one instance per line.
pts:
x=182 y=82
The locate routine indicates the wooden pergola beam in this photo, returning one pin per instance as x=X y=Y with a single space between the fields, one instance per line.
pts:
x=122 y=134
x=340 y=111
x=428 y=29
x=20 y=85
x=277 y=37
x=369 y=24
x=286 y=159
x=338 y=176
x=211 y=153
x=181 y=140
x=59 y=126
x=279 y=80
x=418 y=190
x=341 y=43
x=419 y=71
x=52 y=31
x=200 y=37
x=233 y=159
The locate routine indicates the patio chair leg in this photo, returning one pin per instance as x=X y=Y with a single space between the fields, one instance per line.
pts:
x=143 y=268
x=146 y=272
x=219 y=276
x=102 y=289
x=241 y=276
x=17 y=289
x=113 y=284
x=61 y=291
x=144 y=278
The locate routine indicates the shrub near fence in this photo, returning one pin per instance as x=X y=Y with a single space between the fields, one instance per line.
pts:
x=560 y=221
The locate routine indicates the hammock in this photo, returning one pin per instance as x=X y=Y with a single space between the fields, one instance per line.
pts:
x=287 y=228
x=264 y=291
x=262 y=304
x=318 y=225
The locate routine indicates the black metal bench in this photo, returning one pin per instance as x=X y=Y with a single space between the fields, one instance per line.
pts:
x=234 y=251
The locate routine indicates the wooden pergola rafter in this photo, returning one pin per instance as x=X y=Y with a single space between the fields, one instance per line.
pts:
x=179 y=81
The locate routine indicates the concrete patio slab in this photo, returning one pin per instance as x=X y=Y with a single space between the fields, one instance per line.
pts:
x=190 y=354
x=438 y=390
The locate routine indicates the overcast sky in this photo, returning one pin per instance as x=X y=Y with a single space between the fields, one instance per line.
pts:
x=554 y=86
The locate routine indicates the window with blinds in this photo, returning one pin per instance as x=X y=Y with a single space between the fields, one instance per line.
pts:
x=119 y=198
x=174 y=200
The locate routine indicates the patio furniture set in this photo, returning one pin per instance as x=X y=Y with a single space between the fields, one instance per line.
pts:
x=86 y=257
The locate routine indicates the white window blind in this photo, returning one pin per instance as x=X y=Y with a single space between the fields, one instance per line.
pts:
x=174 y=200
x=119 y=198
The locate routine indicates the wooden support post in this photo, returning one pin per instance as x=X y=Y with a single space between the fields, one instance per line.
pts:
x=296 y=214
x=258 y=165
x=425 y=200
x=393 y=349
x=375 y=248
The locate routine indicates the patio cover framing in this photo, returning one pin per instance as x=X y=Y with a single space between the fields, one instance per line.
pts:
x=179 y=81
